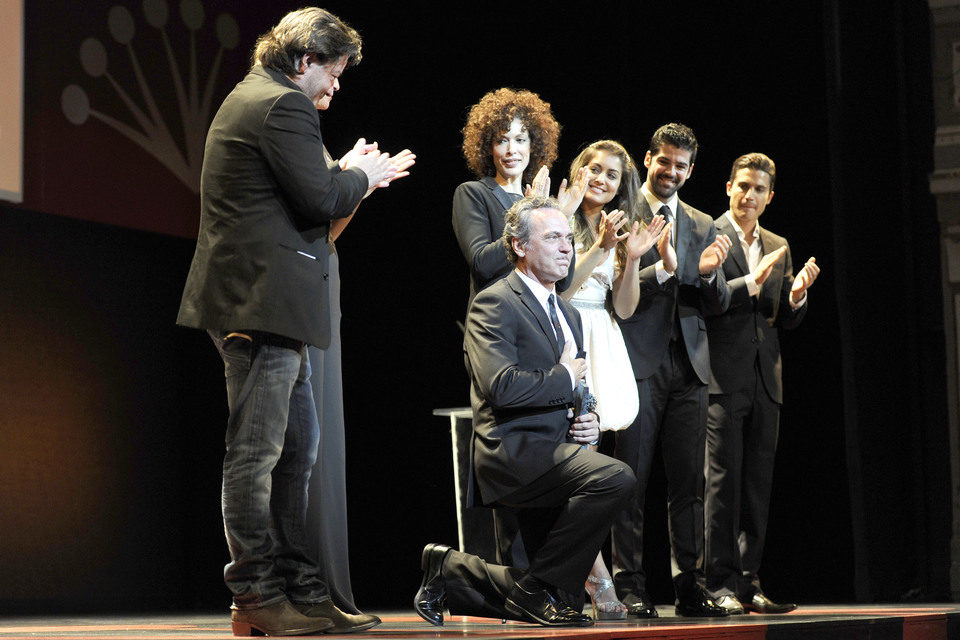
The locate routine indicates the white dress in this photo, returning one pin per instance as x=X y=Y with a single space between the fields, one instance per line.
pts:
x=609 y=374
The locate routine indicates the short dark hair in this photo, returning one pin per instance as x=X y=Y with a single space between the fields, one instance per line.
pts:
x=310 y=30
x=757 y=161
x=517 y=221
x=675 y=134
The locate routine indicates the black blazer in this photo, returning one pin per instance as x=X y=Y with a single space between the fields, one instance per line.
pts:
x=266 y=201
x=520 y=394
x=647 y=332
x=478 y=218
x=747 y=333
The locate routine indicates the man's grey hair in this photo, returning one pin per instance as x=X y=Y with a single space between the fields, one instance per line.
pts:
x=517 y=221
x=310 y=30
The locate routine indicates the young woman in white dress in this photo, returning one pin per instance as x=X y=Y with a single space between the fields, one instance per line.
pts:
x=608 y=266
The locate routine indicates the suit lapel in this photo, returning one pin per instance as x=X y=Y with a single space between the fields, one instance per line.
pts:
x=683 y=235
x=573 y=319
x=646 y=215
x=498 y=192
x=769 y=244
x=530 y=302
x=736 y=248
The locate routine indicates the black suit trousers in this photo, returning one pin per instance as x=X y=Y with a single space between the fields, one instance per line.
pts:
x=564 y=517
x=673 y=408
x=742 y=432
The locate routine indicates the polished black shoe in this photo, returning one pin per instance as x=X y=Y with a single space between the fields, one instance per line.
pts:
x=699 y=604
x=640 y=605
x=432 y=593
x=278 y=619
x=543 y=608
x=760 y=603
x=342 y=622
x=730 y=602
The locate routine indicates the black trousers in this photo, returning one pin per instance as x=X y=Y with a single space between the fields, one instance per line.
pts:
x=673 y=409
x=564 y=517
x=742 y=432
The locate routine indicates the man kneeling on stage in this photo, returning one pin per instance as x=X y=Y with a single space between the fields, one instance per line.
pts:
x=521 y=349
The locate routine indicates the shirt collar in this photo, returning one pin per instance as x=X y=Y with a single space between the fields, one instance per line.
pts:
x=540 y=292
x=655 y=203
x=740 y=233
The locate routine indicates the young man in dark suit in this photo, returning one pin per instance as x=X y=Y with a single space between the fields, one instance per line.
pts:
x=258 y=285
x=521 y=348
x=680 y=284
x=745 y=388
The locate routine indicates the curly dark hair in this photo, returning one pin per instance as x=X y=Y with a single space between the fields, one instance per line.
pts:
x=492 y=116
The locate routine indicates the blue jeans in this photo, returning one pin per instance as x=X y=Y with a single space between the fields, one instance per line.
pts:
x=271 y=446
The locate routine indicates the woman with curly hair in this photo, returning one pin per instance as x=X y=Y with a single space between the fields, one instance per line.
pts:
x=509 y=135
x=608 y=261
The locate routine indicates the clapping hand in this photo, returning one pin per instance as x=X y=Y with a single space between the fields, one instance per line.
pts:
x=541 y=184
x=402 y=162
x=665 y=248
x=804 y=279
x=607 y=237
x=397 y=166
x=763 y=269
x=714 y=255
x=377 y=166
x=638 y=241
x=571 y=198
x=359 y=148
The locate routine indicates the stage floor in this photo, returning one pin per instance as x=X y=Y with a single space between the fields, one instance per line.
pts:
x=920 y=622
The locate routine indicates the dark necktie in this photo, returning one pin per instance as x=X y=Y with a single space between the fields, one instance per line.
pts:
x=556 y=322
x=668 y=217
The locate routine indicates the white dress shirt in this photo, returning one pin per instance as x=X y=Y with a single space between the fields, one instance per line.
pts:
x=542 y=294
x=672 y=203
x=753 y=251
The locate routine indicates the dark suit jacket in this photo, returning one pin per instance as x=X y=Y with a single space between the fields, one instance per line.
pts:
x=266 y=201
x=647 y=332
x=520 y=394
x=478 y=217
x=747 y=332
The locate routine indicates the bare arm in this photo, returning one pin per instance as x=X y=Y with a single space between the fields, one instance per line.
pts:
x=626 y=288
x=607 y=239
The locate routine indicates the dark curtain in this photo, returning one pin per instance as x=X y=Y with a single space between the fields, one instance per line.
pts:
x=889 y=296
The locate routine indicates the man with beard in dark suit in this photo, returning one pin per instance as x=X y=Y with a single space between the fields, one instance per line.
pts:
x=680 y=284
x=746 y=390
x=520 y=350
x=258 y=285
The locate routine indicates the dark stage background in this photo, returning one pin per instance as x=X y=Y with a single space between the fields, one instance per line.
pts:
x=112 y=418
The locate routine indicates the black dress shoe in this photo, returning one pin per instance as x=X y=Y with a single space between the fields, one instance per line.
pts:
x=543 y=608
x=640 y=605
x=699 y=604
x=732 y=604
x=432 y=593
x=760 y=603
x=342 y=622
